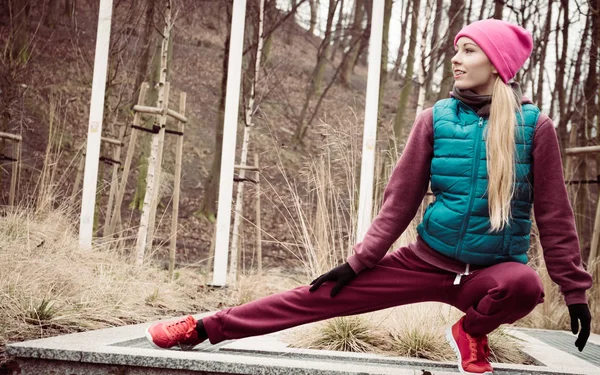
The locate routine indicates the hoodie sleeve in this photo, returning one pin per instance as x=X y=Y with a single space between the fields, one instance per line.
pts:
x=554 y=216
x=402 y=197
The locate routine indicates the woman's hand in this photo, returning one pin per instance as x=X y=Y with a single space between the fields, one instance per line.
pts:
x=341 y=274
x=580 y=312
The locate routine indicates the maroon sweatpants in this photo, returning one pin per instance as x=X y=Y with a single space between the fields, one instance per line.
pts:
x=489 y=297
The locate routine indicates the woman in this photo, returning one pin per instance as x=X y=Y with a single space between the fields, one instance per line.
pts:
x=490 y=155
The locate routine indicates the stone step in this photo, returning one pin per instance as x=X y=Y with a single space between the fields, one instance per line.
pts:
x=124 y=350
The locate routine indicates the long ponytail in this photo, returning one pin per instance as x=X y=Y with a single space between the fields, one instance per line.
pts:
x=500 y=144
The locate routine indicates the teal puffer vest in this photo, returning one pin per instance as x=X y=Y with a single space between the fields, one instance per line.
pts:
x=457 y=223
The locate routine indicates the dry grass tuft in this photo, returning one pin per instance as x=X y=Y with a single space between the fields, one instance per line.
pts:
x=349 y=334
x=49 y=286
x=409 y=331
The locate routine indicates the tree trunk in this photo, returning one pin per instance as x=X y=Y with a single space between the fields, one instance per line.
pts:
x=20 y=50
x=456 y=14
x=403 y=27
x=408 y=79
x=356 y=33
x=469 y=10
x=435 y=49
x=144 y=59
x=338 y=36
x=590 y=93
x=270 y=15
x=208 y=208
x=52 y=15
x=384 y=50
x=364 y=42
x=538 y=95
x=422 y=91
x=560 y=78
x=314 y=13
x=498 y=8
x=152 y=98
x=317 y=75
x=483 y=5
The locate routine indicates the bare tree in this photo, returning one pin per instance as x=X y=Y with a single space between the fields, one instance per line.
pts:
x=560 y=74
x=338 y=36
x=456 y=17
x=403 y=26
x=317 y=74
x=408 y=78
x=435 y=49
x=208 y=207
x=538 y=95
x=498 y=9
x=387 y=14
x=314 y=14
x=356 y=35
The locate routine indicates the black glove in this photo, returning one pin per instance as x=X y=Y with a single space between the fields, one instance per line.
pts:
x=580 y=312
x=342 y=274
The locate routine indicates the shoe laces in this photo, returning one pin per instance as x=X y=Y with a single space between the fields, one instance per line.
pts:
x=479 y=347
x=181 y=327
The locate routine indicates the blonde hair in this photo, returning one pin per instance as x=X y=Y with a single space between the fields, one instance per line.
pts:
x=500 y=145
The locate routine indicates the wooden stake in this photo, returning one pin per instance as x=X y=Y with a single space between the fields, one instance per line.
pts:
x=116 y=216
x=595 y=236
x=176 y=188
x=78 y=178
x=258 y=225
x=115 y=179
x=13 y=175
x=239 y=210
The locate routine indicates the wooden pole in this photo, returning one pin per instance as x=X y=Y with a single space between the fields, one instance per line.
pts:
x=582 y=150
x=115 y=179
x=232 y=98
x=595 y=236
x=137 y=118
x=258 y=224
x=365 y=202
x=13 y=175
x=12 y=137
x=176 y=188
x=239 y=211
x=90 y=179
x=78 y=178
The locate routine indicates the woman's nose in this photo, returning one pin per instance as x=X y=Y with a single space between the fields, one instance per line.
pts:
x=455 y=59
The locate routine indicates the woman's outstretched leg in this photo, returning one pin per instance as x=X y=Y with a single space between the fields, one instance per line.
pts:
x=399 y=278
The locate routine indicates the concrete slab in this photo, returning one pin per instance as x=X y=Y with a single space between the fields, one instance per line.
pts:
x=124 y=350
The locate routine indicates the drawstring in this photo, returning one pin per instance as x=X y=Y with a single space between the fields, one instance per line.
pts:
x=459 y=275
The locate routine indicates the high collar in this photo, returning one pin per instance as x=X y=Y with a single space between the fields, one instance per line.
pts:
x=482 y=103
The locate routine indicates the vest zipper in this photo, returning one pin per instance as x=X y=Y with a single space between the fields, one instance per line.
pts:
x=473 y=187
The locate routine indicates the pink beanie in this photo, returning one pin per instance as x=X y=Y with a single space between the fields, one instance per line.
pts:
x=506 y=45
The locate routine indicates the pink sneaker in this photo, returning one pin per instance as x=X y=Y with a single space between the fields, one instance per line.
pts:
x=472 y=352
x=180 y=332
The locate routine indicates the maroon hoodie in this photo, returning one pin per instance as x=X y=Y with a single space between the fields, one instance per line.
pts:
x=553 y=213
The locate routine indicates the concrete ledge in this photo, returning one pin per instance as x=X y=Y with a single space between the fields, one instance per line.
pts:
x=124 y=350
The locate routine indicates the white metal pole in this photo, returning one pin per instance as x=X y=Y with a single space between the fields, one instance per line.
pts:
x=365 y=201
x=90 y=178
x=232 y=102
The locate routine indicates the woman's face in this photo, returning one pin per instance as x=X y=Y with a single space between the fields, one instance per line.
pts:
x=472 y=69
